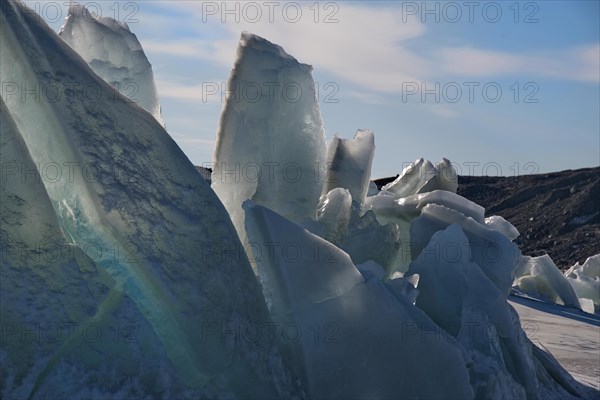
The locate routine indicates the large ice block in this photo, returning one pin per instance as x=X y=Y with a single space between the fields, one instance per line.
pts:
x=349 y=164
x=125 y=185
x=270 y=140
x=348 y=338
x=114 y=53
x=60 y=312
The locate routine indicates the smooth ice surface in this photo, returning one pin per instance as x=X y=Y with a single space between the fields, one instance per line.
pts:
x=114 y=53
x=270 y=141
x=422 y=176
x=585 y=280
x=542 y=276
x=349 y=164
x=125 y=185
x=359 y=339
x=570 y=335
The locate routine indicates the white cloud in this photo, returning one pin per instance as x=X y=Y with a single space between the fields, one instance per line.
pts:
x=364 y=47
x=191 y=49
x=578 y=64
x=369 y=49
x=208 y=91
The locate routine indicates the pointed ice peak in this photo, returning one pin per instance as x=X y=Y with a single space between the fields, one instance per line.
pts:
x=78 y=11
x=114 y=53
x=274 y=142
x=251 y=41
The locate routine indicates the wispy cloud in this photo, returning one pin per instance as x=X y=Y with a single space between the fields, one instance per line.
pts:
x=369 y=49
x=205 y=92
x=577 y=64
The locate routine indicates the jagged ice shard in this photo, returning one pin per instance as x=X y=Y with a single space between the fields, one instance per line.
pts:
x=270 y=141
x=360 y=339
x=349 y=164
x=126 y=185
x=114 y=53
x=540 y=275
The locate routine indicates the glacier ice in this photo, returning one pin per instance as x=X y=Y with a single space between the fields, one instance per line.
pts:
x=349 y=164
x=540 y=275
x=358 y=338
x=114 y=53
x=126 y=184
x=340 y=317
x=270 y=141
x=60 y=311
x=585 y=280
x=422 y=176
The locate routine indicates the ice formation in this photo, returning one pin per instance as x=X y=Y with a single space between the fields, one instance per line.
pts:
x=70 y=329
x=402 y=211
x=422 y=176
x=501 y=225
x=358 y=339
x=270 y=141
x=114 y=53
x=349 y=164
x=585 y=280
x=337 y=308
x=162 y=234
x=541 y=276
x=459 y=296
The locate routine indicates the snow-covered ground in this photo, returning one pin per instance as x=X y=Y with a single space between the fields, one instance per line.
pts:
x=572 y=336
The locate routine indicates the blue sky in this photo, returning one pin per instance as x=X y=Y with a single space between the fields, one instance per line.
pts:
x=511 y=87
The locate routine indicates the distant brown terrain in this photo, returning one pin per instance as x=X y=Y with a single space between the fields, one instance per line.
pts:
x=556 y=213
